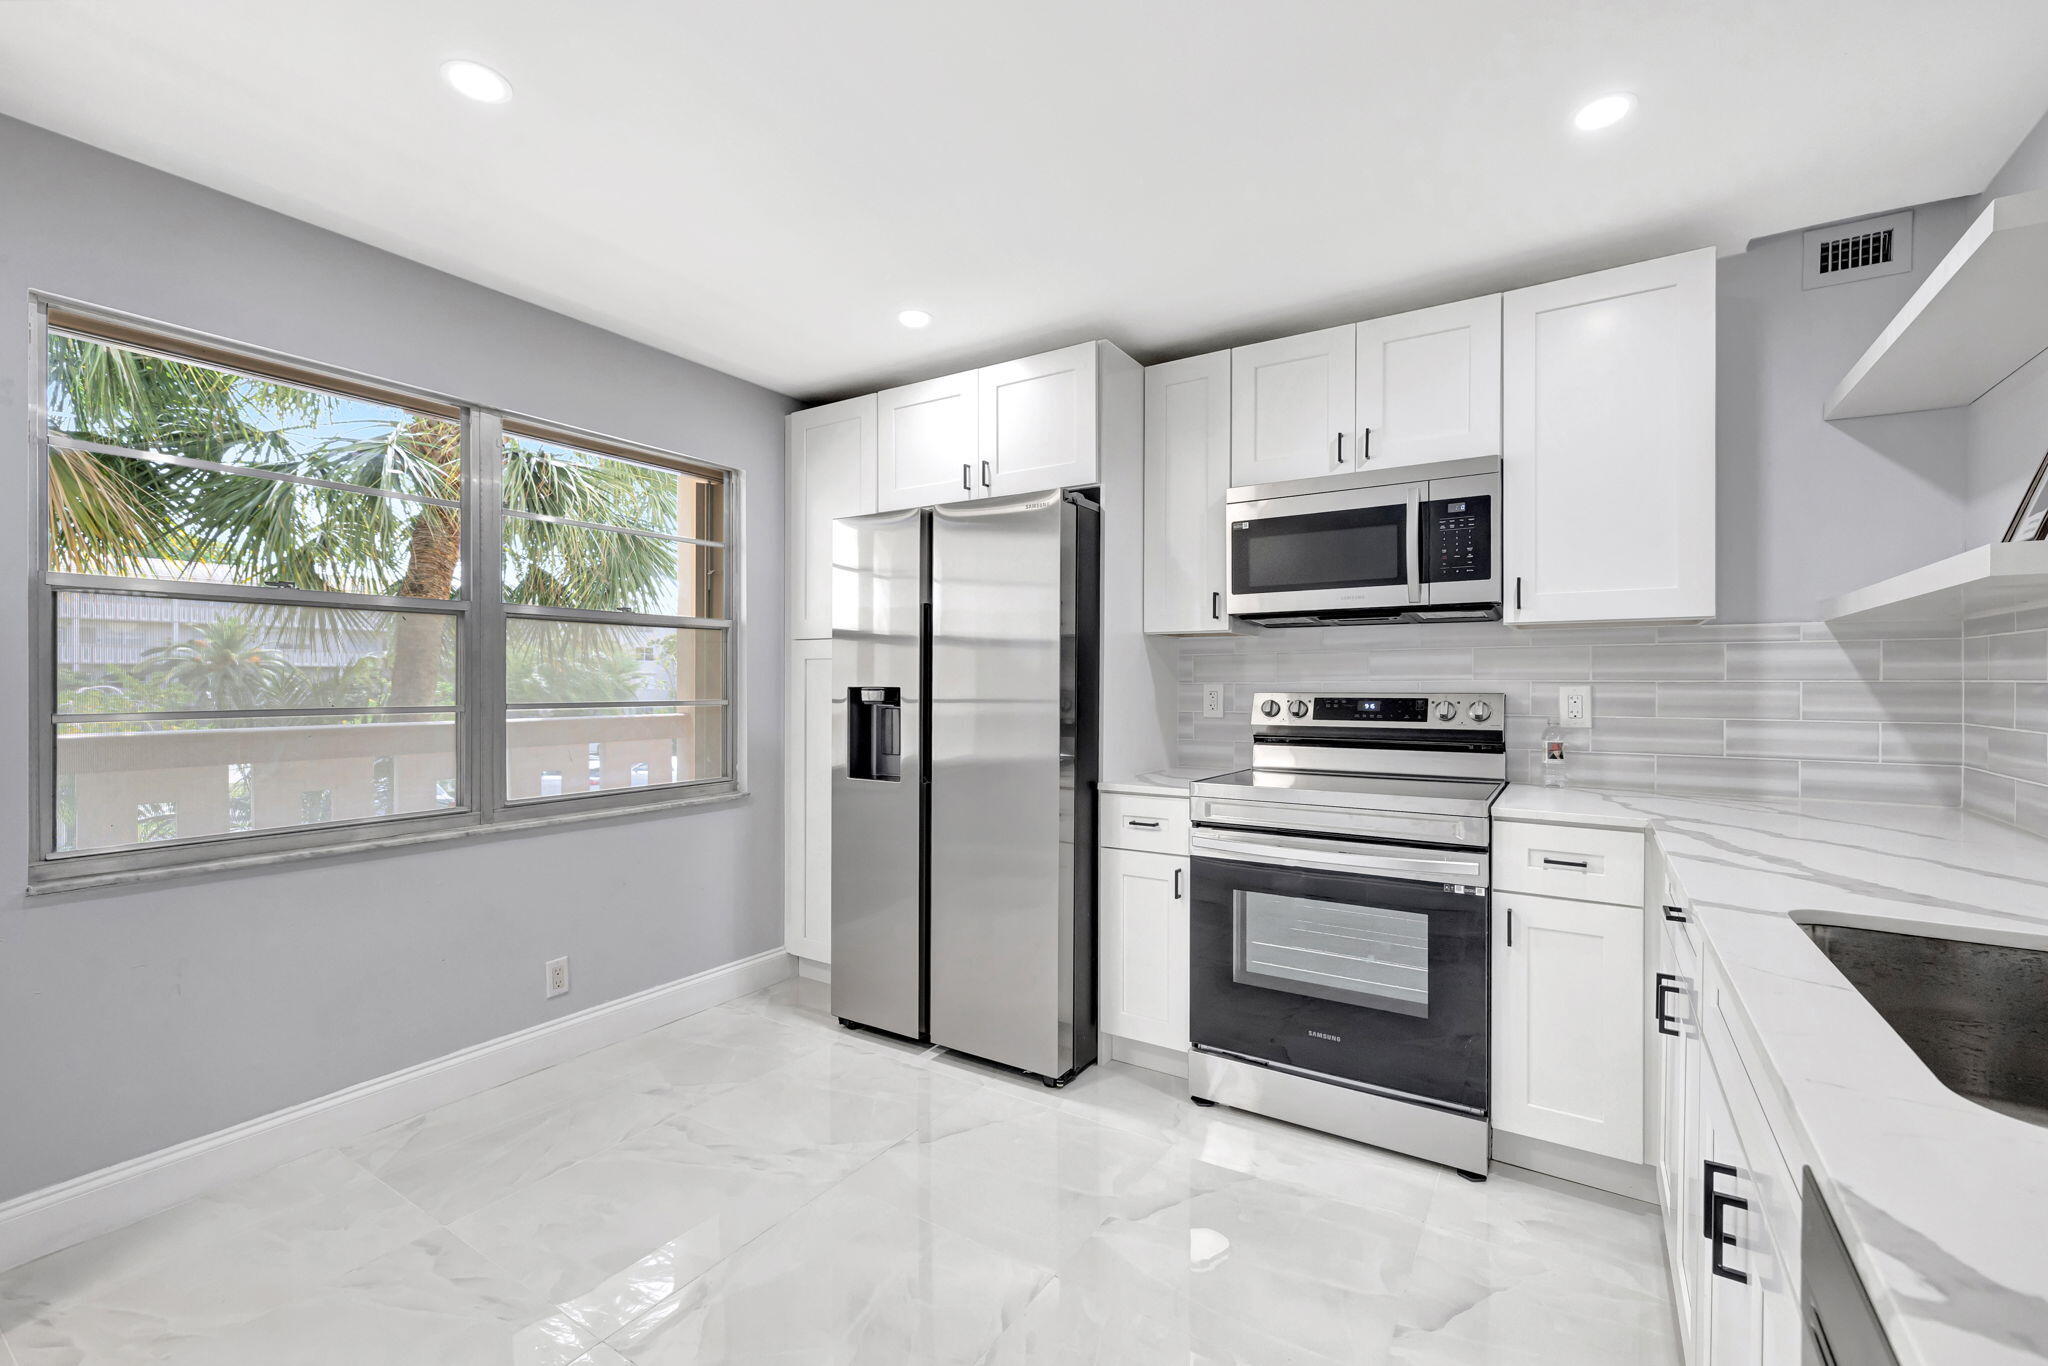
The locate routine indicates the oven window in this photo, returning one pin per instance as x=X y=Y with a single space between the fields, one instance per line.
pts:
x=1351 y=548
x=1363 y=955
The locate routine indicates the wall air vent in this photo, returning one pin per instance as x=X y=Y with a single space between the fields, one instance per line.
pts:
x=1858 y=251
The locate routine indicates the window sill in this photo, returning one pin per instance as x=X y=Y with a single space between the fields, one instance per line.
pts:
x=52 y=878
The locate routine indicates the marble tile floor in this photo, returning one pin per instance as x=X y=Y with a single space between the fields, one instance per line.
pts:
x=754 y=1185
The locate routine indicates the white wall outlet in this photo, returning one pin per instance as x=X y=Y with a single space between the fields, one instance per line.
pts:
x=558 y=976
x=1212 y=699
x=1574 y=706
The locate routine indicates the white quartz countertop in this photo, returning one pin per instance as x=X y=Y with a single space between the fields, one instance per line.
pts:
x=1159 y=782
x=1944 y=1202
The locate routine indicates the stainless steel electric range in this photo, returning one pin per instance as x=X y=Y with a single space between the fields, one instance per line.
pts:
x=1340 y=927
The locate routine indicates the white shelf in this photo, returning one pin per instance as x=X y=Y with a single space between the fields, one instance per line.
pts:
x=1991 y=578
x=1979 y=317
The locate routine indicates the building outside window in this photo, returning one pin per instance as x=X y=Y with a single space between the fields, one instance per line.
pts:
x=286 y=607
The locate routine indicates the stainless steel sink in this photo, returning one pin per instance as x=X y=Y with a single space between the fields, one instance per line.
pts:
x=1977 y=1014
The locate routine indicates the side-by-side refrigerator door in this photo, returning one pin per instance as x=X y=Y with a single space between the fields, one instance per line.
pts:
x=1003 y=873
x=878 y=606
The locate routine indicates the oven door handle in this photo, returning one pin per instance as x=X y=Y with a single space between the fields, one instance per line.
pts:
x=1288 y=851
x=1415 y=543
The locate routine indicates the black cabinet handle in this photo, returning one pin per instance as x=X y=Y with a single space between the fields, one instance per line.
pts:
x=1365 y=446
x=1340 y=448
x=1718 y=1204
x=1511 y=927
x=1176 y=884
x=967 y=477
x=1550 y=862
x=1142 y=825
x=1667 y=985
x=1676 y=913
x=1518 y=592
x=984 y=475
x=1216 y=606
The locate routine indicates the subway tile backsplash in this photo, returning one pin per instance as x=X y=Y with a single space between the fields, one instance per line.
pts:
x=1777 y=710
x=2005 y=718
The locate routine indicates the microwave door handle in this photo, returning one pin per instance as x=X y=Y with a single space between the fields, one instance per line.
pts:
x=1414 y=543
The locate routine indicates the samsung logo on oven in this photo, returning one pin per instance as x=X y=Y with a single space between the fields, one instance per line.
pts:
x=1318 y=1034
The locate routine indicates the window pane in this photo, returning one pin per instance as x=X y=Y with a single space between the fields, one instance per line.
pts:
x=121 y=516
x=120 y=397
x=600 y=749
x=573 y=661
x=548 y=564
x=122 y=783
x=555 y=480
x=127 y=652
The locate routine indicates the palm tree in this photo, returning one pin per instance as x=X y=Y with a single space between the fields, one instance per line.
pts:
x=225 y=666
x=114 y=515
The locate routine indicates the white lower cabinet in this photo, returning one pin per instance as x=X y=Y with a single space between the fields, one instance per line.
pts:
x=1143 y=932
x=1568 y=1023
x=807 y=802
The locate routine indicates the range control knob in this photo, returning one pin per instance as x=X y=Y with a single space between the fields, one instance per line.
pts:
x=1270 y=707
x=1447 y=710
x=1297 y=708
x=1479 y=712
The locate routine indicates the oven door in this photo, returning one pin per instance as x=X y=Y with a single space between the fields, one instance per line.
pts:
x=1360 y=962
x=1346 y=550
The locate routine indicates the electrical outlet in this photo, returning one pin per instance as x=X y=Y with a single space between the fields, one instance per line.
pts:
x=1574 y=706
x=558 y=976
x=1212 y=699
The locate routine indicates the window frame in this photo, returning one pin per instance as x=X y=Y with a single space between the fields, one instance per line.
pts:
x=480 y=713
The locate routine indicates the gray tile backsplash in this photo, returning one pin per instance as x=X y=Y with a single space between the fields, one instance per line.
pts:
x=1775 y=710
x=2005 y=719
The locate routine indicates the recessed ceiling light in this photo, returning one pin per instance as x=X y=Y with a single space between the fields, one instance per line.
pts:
x=476 y=81
x=1604 y=112
x=914 y=317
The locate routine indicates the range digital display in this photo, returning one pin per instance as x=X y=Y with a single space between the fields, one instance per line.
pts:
x=1413 y=710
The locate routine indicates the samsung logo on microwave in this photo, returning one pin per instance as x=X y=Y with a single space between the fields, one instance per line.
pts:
x=1318 y=1034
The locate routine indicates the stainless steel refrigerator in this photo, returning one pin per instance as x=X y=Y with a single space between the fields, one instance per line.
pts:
x=964 y=668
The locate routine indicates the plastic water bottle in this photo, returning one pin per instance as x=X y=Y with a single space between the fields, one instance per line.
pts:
x=1554 y=748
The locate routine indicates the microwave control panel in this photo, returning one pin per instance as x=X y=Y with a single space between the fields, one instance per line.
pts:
x=1460 y=540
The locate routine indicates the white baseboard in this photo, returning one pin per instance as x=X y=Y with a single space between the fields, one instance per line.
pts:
x=812 y=970
x=1172 y=1061
x=43 y=1221
x=1630 y=1179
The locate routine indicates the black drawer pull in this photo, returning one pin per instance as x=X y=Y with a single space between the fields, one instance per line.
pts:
x=1676 y=913
x=1550 y=862
x=1667 y=985
x=1142 y=825
x=1718 y=1204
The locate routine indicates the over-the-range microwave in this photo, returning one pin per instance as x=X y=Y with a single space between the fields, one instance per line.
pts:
x=1411 y=543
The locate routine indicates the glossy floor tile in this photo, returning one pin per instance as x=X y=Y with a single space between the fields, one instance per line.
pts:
x=756 y=1185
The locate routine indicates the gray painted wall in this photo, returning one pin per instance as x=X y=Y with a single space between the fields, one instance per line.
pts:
x=138 y=1018
x=1810 y=508
x=2008 y=427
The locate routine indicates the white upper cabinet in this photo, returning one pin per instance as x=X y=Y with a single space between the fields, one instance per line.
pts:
x=1038 y=423
x=1429 y=384
x=927 y=442
x=831 y=475
x=1608 y=444
x=1293 y=407
x=1187 y=478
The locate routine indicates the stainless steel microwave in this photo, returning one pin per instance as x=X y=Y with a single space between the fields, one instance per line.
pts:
x=1414 y=543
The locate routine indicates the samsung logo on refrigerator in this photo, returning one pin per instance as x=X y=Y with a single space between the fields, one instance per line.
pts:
x=1318 y=1034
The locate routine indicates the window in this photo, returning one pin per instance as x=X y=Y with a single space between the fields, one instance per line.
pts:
x=277 y=618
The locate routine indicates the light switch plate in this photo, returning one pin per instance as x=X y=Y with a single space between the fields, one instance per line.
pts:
x=1575 y=706
x=1212 y=699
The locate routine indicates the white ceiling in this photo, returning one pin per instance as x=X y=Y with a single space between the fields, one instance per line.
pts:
x=762 y=184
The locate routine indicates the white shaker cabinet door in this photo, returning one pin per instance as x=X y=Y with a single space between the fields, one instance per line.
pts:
x=831 y=452
x=1038 y=423
x=1608 y=444
x=1144 y=946
x=1429 y=384
x=807 y=802
x=1294 y=407
x=927 y=443
x=1568 y=1000
x=1187 y=480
